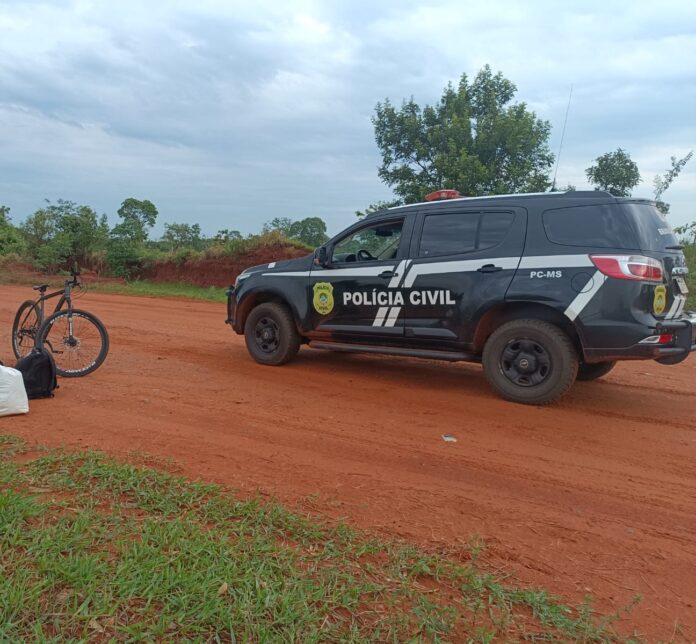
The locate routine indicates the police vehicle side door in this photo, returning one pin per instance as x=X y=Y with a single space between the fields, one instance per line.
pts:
x=352 y=296
x=463 y=261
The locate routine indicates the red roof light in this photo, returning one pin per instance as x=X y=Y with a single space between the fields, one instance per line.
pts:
x=439 y=195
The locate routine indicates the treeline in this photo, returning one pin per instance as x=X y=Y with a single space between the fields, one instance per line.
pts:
x=63 y=232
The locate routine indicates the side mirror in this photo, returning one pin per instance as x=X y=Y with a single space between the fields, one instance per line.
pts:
x=320 y=256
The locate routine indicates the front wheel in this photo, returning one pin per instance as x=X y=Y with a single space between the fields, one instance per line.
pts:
x=270 y=334
x=594 y=370
x=77 y=339
x=25 y=327
x=530 y=361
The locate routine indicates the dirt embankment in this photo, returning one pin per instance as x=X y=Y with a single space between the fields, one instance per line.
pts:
x=214 y=271
x=217 y=271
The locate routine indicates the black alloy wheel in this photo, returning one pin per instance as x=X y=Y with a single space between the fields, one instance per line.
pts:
x=525 y=362
x=267 y=334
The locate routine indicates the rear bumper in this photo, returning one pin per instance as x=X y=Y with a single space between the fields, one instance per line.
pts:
x=684 y=343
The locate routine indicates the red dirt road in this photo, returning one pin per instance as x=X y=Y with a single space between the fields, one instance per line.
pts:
x=596 y=495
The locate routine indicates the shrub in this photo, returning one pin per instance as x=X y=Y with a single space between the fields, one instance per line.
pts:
x=122 y=258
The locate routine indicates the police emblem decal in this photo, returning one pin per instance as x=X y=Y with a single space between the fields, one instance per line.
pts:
x=323 y=298
x=660 y=300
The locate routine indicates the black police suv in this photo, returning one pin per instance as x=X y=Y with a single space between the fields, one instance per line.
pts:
x=540 y=288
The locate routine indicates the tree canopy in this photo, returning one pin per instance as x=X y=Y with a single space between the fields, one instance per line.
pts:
x=62 y=232
x=182 y=235
x=614 y=172
x=475 y=140
x=137 y=218
x=310 y=230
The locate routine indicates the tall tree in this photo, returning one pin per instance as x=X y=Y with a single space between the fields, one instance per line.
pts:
x=475 y=140
x=126 y=239
x=280 y=224
x=137 y=218
x=178 y=235
x=614 y=172
x=661 y=183
x=310 y=231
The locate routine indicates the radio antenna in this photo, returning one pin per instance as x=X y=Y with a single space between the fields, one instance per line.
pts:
x=560 y=147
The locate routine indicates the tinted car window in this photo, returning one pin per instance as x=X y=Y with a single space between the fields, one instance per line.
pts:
x=372 y=243
x=601 y=226
x=463 y=232
x=494 y=227
x=654 y=232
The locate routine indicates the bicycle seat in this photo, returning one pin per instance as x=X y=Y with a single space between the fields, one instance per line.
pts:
x=40 y=287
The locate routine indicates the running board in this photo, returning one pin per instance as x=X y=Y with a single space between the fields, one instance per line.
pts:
x=450 y=356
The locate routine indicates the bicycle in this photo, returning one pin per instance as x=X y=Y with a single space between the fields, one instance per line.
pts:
x=77 y=339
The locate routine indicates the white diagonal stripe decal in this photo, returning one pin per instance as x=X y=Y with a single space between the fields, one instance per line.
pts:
x=393 y=314
x=681 y=307
x=458 y=266
x=583 y=299
x=676 y=308
x=381 y=314
x=363 y=271
x=398 y=274
x=555 y=261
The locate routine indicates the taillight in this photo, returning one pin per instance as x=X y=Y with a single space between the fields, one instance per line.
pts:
x=663 y=338
x=629 y=267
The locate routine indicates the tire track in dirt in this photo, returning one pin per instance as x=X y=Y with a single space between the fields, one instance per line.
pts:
x=597 y=492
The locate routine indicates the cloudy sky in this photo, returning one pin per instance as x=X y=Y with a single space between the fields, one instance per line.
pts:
x=231 y=113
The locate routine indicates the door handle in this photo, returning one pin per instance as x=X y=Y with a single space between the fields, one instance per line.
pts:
x=388 y=274
x=489 y=268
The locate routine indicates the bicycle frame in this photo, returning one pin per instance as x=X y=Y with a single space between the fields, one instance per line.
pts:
x=65 y=292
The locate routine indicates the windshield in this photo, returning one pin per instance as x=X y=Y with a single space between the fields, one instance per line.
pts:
x=653 y=230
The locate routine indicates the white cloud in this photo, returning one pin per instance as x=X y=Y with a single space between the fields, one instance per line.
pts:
x=234 y=112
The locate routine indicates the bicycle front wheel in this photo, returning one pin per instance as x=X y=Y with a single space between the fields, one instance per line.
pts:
x=25 y=327
x=77 y=339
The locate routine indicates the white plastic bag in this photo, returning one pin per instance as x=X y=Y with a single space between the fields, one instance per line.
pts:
x=13 y=396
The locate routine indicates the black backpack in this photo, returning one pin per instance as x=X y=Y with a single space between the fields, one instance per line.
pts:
x=39 y=372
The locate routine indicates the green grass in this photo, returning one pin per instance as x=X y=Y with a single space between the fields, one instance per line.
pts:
x=136 y=287
x=157 y=289
x=91 y=548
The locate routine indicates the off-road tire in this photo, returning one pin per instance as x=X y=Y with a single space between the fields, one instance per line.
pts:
x=592 y=371
x=560 y=355
x=279 y=320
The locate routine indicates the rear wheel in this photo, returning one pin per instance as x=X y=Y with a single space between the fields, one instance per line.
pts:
x=77 y=339
x=530 y=361
x=594 y=370
x=24 y=328
x=270 y=334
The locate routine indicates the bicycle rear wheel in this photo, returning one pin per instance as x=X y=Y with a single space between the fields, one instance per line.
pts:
x=77 y=339
x=25 y=327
